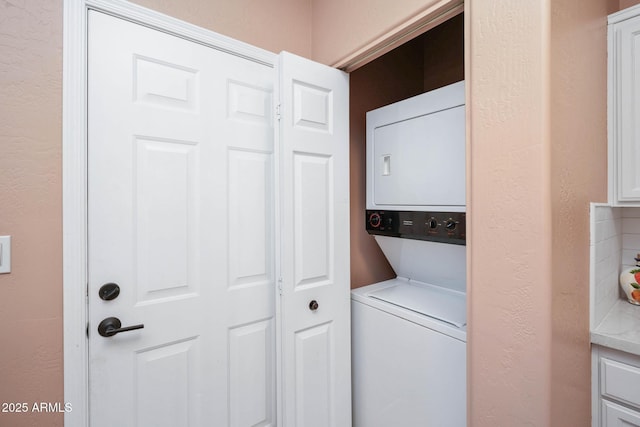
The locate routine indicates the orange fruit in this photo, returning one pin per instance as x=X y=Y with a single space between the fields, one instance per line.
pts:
x=635 y=294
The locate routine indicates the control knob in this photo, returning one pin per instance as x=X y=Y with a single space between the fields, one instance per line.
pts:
x=450 y=224
x=375 y=220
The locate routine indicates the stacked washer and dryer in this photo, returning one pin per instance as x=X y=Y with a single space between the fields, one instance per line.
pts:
x=409 y=333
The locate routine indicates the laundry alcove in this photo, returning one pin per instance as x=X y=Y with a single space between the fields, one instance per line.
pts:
x=429 y=61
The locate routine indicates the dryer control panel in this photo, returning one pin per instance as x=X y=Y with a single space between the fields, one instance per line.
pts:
x=444 y=227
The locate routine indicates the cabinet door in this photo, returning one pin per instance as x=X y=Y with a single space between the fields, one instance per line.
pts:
x=618 y=416
x=620 y=381
x=626 y=107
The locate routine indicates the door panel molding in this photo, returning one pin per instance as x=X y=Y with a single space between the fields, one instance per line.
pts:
x=74 y=171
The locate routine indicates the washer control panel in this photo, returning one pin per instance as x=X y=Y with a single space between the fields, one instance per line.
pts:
x=445 y=227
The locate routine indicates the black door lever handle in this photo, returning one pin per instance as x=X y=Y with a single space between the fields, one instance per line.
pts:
x=112 y=325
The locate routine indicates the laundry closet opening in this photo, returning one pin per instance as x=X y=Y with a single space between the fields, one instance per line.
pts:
x=429 y=61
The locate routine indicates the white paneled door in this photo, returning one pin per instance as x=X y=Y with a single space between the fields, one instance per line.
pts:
x=205 y=307
x=316 y=293
x=181 y=218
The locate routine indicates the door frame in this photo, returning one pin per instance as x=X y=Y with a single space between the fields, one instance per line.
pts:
x=74 y=172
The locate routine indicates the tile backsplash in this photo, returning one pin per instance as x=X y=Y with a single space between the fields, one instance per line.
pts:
x=615 y=241
x=630 y=235
x=606 y=259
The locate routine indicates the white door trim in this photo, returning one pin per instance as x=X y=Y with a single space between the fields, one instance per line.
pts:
x=74 y=172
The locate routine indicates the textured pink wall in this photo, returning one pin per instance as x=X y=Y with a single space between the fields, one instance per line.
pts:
x=30 y=207
x=627 y=3
x=509 y=286
x=578 y=175
x=538 y=145
x=272 y=25
x=444 y=54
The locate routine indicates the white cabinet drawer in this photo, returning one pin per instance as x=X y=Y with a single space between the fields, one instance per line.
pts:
x=618 y=416
x=620 y=381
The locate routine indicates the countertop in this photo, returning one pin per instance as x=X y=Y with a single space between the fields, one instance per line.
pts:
x=620 y=329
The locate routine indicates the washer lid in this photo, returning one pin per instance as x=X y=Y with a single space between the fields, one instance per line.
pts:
x=433 y=301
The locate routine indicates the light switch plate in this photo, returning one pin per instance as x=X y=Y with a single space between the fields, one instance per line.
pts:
x=5 y=254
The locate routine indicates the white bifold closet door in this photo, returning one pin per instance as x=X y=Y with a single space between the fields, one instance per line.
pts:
x=316 y=324
x=183 y=192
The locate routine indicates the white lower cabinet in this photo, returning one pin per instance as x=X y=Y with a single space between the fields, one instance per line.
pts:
x=616 y=415
x=616 y=388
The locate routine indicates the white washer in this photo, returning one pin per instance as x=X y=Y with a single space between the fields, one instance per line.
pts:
x=409 y=355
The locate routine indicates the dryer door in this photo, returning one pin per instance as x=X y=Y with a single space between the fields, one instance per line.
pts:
x=416 y=152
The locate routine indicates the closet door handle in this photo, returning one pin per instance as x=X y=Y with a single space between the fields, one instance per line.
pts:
x=313 y=305
x=112 y=325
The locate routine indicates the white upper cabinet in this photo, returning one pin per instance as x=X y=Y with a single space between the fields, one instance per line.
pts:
x=624 y=106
